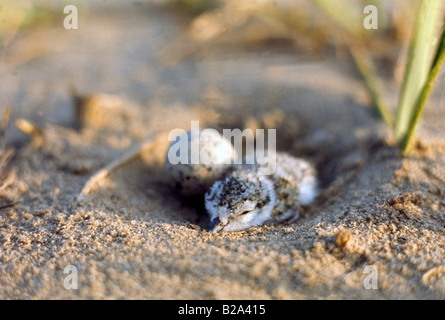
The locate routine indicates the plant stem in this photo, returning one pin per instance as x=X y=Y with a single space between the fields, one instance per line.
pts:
x=418 y=64
x=365 y=66
x=407 y=138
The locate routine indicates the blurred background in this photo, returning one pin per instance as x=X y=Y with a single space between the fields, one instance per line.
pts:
x=163 y=53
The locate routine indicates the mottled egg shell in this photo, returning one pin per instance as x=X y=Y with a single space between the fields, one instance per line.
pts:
x=196 y=159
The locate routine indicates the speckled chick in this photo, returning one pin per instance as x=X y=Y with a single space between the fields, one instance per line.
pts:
x=245 y=198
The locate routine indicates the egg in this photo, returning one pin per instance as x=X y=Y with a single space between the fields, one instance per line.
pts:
x=196 y=159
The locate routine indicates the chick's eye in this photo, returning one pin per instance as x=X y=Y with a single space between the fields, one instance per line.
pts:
x=243 y=212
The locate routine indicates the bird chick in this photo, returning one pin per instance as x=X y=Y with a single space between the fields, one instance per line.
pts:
x=246 y=198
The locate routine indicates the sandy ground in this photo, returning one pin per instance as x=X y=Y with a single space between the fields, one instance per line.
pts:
x=379 y=214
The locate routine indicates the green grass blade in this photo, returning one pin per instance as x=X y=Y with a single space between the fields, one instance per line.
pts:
x=346 y=14
x=438 y=61
x=420 y=53
x=366 y=68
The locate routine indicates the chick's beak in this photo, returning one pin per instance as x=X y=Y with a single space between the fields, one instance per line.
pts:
x=216 y=225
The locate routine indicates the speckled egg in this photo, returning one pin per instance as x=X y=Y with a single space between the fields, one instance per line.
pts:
x=196 y=159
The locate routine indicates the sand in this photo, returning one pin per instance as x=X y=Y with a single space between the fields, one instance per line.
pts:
x=375 y=232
